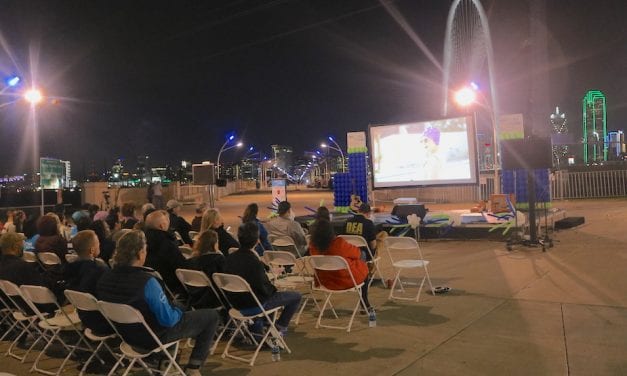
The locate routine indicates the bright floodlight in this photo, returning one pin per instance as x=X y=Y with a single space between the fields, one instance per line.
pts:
x=13 y=81
x=465 y=96
x=239 y=144
x=33 y=96
x=323 y=145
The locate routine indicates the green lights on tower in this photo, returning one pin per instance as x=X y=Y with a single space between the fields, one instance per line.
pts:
x=594 y=127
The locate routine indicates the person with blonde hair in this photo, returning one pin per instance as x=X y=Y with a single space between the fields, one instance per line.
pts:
x=212 y=220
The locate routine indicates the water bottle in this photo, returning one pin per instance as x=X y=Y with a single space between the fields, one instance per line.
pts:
x=372 y=317
x=276 y=351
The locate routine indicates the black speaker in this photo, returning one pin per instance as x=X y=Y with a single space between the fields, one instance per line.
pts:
x=204 y=174
x=526 y=153
x=402 y=211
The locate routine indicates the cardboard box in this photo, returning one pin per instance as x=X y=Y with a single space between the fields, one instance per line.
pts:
x=498 y=203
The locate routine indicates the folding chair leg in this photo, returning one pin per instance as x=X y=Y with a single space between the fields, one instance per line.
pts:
x=117 y=364
x=217 y=340
x=324 y=307
x=429 y=280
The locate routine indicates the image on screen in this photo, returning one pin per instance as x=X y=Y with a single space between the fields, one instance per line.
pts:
x=426 y=153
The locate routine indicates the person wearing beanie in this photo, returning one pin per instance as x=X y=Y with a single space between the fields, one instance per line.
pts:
x=178 y=223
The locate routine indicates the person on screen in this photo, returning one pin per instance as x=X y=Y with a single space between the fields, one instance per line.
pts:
x=431 y=143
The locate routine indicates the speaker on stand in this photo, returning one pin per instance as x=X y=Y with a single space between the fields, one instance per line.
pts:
x=205 y=174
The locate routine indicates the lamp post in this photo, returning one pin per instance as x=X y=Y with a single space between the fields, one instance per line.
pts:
x=337 y=148
x=34 y=96
x=467 y=96
x=224 y=148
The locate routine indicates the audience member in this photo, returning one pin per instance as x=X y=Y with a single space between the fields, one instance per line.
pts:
x=208 y=259
x=83 y=274
x=324 y=242
x=212 y=220
x=247 y=265
x=250 y=215
x=178 y=223
x=128 y=215
x=323 y=213
x=128 y=283
x=364 y=227
x=284 y=225
x=197 y=220
x=50 y=240
x=163 y=252
x=157 y=195
x=107 y=246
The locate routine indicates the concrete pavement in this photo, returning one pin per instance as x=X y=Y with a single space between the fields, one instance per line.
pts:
x=525 y=312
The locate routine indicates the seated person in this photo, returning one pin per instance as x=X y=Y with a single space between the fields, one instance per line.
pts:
x=284 y=225
x=324 y=242
x=164 y=255
x=83 y=275
x=14 y=269
x=250 y=215
x=246 y=264
x=178 y=223
x=212 y=219
x=50 y=238
x=128 y=283
x=128 y=215
x=208 y=259
x=103 y=232
x=197 y=220
x=360 y=225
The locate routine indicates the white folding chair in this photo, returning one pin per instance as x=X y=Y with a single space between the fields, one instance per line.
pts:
x=197 y=279
x=71 y=257
x=186 y=251
x=23 y=320
x=29 y=256
x=158 y=276
x=48 y=259
x=285 y=243
x=193 y=235
x=334 y=264
x=360 y=242
x=394 y=245
x=299 y=278
x=86 y=302
x=120 y=314
x=230 y=283
x=36 y=296
x=232 y=250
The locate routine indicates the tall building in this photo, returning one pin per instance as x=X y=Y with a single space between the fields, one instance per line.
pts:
x=616 y=141
x=282 y=156
x=594 y=127
x=67 y=176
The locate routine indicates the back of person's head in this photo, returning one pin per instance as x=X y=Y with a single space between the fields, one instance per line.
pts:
x=248 y=234
x=147 y=206
x=364 y=208
x=83 y=223
x=323 y=213
x=284 y=207
x=112 y=220
x=83 y=242
x=172 y=205
x=158 y=220
x=30 y=225
x=250 y=214
x=47 y=225
x=322 y=234
x=59 y=210
x=128 y=209
x=128 y=248
x=206 y=242
x=200 y=208
x=101 y=229
x=93 y=209
x=11 y=243
x=209 y=219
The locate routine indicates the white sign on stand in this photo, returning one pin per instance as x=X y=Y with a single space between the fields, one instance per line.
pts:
x=279 y=191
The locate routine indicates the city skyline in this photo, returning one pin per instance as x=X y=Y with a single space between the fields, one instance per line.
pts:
x=172 y=81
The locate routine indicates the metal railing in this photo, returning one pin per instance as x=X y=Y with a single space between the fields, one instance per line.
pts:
x=588 y=184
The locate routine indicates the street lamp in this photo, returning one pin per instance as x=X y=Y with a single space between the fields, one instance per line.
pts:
x=337 y=148
x=467 y=96
x=34 y=97
x=224 y=148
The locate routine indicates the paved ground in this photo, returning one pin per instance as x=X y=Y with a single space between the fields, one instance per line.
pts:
x=523 y=312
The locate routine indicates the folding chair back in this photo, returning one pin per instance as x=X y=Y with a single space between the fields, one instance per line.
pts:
x=23 y=316
x=49 y=258
x=232 y=249
x=279 y=258
x=285 y=243
x=71 y=257
x=186 y=251
x=360 y=241
x=81 y=300
x=395 y=245
x=193 y=235
x=117 y=313
x=335 y=264
x=29 y=256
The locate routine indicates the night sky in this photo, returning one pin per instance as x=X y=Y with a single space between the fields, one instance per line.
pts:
x=171 y=79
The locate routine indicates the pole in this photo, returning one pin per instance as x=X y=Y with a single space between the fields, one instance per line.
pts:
x=341 y=154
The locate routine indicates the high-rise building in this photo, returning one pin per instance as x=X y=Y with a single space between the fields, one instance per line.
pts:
x=282 y=156
x=616 y=141
x=67 y=176
x=594 y=127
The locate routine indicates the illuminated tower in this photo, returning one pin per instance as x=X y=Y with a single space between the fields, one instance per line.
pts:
x=594 y=127
x=560 y=128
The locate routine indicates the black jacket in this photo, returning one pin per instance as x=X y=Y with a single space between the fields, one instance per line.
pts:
x=164 y=256
x=208 y=263
x=247 y=265
x=180 y=225
x=225 y=240
x=20 y=272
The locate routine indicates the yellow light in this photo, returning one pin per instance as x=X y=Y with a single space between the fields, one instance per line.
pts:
x=465 y=97
x=33 y=96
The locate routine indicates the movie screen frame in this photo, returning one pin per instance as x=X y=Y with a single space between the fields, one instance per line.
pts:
x=436 y=144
